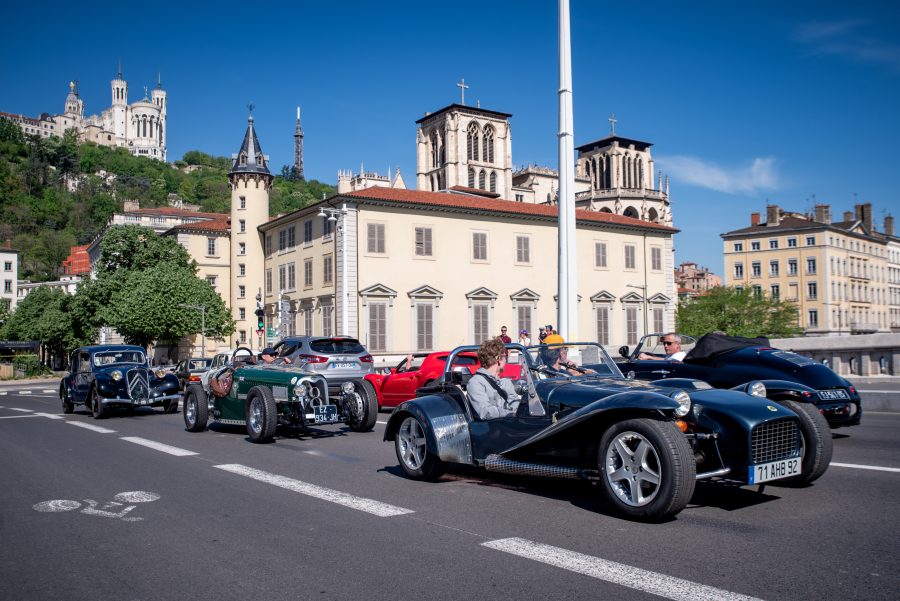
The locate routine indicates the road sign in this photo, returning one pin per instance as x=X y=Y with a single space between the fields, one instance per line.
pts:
x=260 y=332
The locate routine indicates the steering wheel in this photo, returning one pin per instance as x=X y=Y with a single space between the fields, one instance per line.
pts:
x=238 y=350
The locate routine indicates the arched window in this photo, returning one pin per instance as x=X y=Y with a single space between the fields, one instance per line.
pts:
x=433 y=189
x=152 y=125
x=640 y=173
x=481 y=179
x=653 y=216
x=631 y=212
x=493 y=182
x=434 y=148
x=472 y=141
x=607 y=174
x=471 y=177
x=489 y=144
x=589 y=171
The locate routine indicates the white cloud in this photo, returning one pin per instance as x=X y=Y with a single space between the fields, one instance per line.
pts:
x=848 y=38
x=759 y=175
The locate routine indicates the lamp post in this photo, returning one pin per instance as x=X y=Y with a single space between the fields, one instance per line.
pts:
x=336 y=216
x=202 y=309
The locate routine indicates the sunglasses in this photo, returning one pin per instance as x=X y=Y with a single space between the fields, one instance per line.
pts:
x=668 y=342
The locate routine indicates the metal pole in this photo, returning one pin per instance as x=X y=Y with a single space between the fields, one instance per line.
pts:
x=202 y=330
x=568 y=275
x=345 y=319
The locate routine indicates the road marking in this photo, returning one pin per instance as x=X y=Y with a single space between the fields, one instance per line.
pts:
x=380 y=422
x=617 y=573
x=22 y=410
x=24 y=392
x=326 y=494
x=92 y=427
x=879 y=391
x=50 y=390
x=866 y=467
x=158 y=446
x=49 y=415
x=18 y=416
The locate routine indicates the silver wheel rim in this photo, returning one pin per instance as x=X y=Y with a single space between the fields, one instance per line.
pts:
x=411 y=444
x=190 y=409
x=255 y=415
x=632 y=469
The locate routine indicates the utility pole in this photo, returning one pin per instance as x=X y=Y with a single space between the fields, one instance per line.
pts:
x=568 y=274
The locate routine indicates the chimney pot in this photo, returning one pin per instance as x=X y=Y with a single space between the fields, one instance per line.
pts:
x=823 y=213
x=889 y=225
x=848 y=215
x=773 y=215
x=754 y=218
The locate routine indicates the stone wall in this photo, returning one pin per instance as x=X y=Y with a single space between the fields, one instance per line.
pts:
x=861 y=355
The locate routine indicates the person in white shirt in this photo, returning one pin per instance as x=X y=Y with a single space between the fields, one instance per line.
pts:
x=672 y=345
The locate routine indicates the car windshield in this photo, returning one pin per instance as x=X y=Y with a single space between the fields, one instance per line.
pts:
x=652 y=344
x=585 y=359
x=200 y=363
x=102 y=359
x=414 y=365
x=336 y=346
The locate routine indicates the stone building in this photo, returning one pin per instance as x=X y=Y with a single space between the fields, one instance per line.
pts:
x=694 y=279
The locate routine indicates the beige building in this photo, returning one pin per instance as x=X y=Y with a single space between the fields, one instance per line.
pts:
x=693 y=280
x=838 y=272
x=9 y=261
x=433 y=270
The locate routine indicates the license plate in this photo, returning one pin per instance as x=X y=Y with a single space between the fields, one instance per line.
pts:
x=325 y=413
x=342 y=365
x=773 y=471
x=833 y=395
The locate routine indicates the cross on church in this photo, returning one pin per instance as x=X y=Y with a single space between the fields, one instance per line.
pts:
x=612 y=123
x=251 y=106
x=462 y=89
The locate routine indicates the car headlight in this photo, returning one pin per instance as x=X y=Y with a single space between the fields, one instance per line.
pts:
x=684 y=403
x=116 y=375
x=347 y=387
x=757 y=389
x=160 y=373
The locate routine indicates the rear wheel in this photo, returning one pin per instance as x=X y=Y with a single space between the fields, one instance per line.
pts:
x=196 y=409
x=363 y=407
x=261 y=414
x=647 y=468
x=97 y=408
x=412 y=452
x=68 y=406
x=817 y=443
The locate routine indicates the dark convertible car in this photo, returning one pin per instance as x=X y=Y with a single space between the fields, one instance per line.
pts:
x=116 y=375
x=644 y=443
x=728 y=361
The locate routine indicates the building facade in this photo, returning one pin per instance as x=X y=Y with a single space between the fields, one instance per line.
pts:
x=694 y=280
x=838 y=272
x=9 y=261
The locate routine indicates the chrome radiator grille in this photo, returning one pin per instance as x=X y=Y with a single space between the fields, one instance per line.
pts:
x=774 y=440
x=138 y=385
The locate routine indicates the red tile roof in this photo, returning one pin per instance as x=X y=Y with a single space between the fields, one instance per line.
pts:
x=213 y=225
x=479 y=203
x=78 y=262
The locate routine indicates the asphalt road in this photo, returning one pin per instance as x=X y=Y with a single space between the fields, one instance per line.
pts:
x=116 y=514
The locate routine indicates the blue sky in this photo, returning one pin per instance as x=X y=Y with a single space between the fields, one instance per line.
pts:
x=792 y=103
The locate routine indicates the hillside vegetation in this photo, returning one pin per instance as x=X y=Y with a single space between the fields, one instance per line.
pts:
x=57 y=192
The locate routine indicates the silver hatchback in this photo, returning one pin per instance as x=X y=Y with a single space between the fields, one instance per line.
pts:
x=338 y=359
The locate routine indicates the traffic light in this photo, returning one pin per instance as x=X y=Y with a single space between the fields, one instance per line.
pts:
x=260 y=322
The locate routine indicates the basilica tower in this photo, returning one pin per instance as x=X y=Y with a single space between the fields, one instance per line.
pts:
x=119 y=107
x=160 y=98
x=250 y=181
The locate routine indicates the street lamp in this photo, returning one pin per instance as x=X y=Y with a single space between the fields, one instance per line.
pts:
x=337 y=216
x=202 y=309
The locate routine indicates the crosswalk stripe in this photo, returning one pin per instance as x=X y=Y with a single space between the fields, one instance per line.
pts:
x=158 y=446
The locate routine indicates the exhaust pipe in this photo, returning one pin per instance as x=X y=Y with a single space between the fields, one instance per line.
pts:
x=496 y=463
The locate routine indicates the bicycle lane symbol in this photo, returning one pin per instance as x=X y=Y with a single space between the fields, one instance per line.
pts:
x=110 y=509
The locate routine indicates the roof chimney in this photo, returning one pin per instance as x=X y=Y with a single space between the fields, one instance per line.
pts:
x=889 y=226
x=848 y=215
x=754 y=218
x=773 y=215
x=864 y=214
x=823 y=213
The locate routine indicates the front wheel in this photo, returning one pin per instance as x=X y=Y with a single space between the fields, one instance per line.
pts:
x=68 y=406
x=261 y=414
x=363 y=407
x=817 y=443
x=412 y=452
x=647 y=468
x=97 y=408
x=196 y=410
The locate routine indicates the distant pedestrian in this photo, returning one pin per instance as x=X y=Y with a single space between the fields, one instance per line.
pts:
x=524 y=340
x=503 y=336
x=542 y=333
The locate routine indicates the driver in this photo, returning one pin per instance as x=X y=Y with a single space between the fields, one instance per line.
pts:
x=557 y=358
x=672 y=345
x=490 y=395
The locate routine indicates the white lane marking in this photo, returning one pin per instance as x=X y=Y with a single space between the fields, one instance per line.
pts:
x=92 y=427
x=380 y=422
x=50 y=390
x=617 y=573
x=22 y=410
x=18 y=416
x=158 y=446
x=866 y=467
x=880 y=391
x=24 y=392
x=326 y=494
x=49 y=415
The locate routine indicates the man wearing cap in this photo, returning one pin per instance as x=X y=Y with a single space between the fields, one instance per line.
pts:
x=268 y=355
x=557 y=357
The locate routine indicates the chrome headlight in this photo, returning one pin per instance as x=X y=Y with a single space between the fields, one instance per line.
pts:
x=160 y=373
x=116 y=375
x=684 y=403
x=757 y=389
x=347 y=387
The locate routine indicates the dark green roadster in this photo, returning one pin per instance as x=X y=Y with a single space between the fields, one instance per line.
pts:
x=267 y=396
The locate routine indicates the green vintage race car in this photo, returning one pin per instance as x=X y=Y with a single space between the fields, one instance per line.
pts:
x=266 y=396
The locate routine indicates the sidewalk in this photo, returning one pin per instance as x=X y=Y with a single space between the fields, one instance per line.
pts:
x=54 y=380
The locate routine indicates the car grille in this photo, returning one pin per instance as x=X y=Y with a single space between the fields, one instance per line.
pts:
x=138 y=385
x=774 y=440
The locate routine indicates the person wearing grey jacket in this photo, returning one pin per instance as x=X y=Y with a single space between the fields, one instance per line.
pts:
x=490 y=395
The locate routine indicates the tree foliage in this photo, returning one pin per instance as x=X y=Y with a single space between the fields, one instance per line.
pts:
x=46 y=315
x=737 y=312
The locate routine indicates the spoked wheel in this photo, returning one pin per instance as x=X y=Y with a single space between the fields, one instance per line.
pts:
x=196 y=409
x=261 y=414
x=647 y=469
x=412 y=452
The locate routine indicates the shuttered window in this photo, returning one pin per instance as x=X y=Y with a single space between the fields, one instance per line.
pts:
x=377 y=327
x=523 y=249
x=603 y=325
x=423 y=242
x=629 y=257
x=480 y=322
x=424 y=327
x=656 y=258
x=479 y=246
x=631 y=325
x=600 y=254
x=375 y=238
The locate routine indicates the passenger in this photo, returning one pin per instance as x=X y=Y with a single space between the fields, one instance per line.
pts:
x=270 y=356
x=557 y=357
x=490 y=395
x=672 y=345
x=408 y=365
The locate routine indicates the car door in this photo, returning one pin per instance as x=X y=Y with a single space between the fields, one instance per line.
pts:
x=399 y=386
x=82 y=376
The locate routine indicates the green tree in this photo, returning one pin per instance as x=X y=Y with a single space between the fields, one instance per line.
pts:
x=134 y=247
x=43 y=315
x=738 y=312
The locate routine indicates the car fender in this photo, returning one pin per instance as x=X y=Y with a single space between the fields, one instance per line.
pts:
x=633 y=402
x=784 y=390
x=377 y=381
x=166 y=385
x=446 y=426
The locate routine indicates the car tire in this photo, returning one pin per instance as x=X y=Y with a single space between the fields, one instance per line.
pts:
x=97 y=408
x=170 y=406
x=196 y=409
x=817 y=443
x=412 y=451
x=260 y=414
x=366 y=421
x=655 y=484
x=68 y=406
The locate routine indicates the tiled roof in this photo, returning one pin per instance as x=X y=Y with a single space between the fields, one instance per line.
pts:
x=174 y=212
x=792 y=223
x=475 y=191
x=213 y=225
x=475 y=203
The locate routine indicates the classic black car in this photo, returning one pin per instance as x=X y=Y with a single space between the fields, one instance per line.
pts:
x=645 y=443
x=116 y=375
x=728 y=361
x=264 y=396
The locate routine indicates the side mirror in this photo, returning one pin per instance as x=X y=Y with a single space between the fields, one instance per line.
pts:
x=521 y=388
x=623 y=350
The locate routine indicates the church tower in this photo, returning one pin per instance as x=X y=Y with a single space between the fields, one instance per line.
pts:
x=159 y=98
x=464 y=146
x=250 y=181
x=119 y=107
x=297 y=170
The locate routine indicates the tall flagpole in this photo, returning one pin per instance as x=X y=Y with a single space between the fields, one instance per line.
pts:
x=568 y=275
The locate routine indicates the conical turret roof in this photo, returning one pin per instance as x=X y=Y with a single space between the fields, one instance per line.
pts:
x=250 y=158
